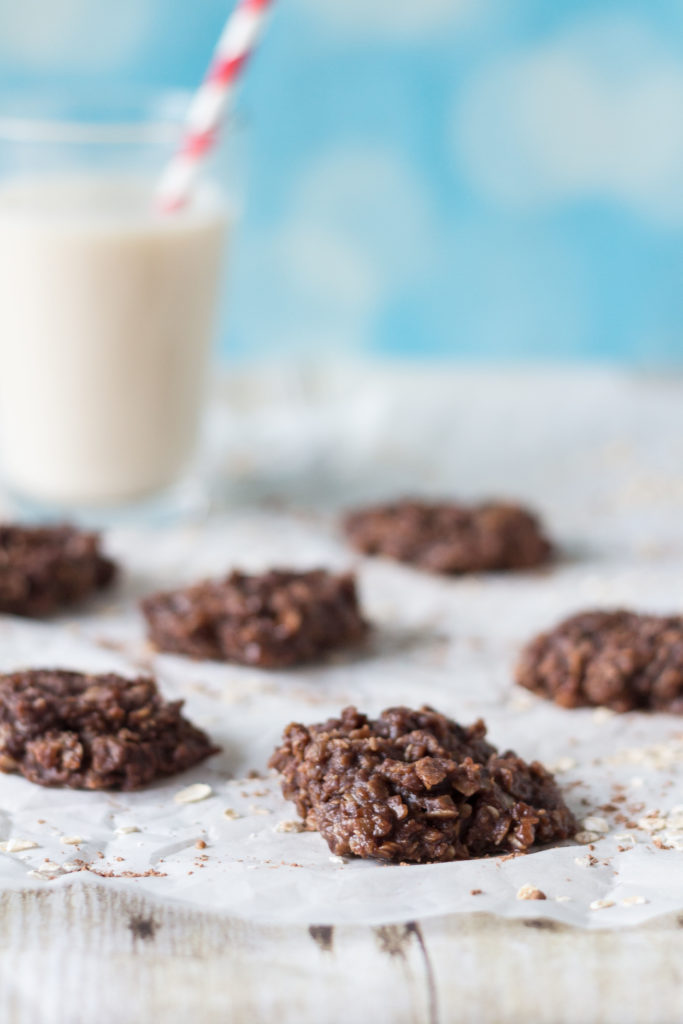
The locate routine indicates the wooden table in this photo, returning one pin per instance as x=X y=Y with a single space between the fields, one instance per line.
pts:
x=75 y=956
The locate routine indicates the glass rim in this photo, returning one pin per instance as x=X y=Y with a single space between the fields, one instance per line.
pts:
x=107 y=117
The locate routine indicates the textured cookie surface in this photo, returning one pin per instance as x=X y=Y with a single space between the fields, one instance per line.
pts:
x=414 y=786
x=274 y=620
x=616 y=659
x=93 y=731
x=47 y=568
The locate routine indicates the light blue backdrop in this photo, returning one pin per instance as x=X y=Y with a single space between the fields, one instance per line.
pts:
x=482 y=178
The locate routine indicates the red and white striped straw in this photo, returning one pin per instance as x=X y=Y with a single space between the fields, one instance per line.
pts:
x=236 y=44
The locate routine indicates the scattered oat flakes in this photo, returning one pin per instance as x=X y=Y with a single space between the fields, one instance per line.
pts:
x=584 y=862
x=595 y=824
x=625 y=837
x=231 y=814
x=632 y=901
x=530 y=892
x=193 y=794
x=289 y=826
x=254 y=809
x=563 y=764
x=71 y=840
x=586 y=837
x=654 y=824
x=563 y=899
x=48 y=867
x=126 y=830
x=17 y=845
x=601 y=904
x=603 y=715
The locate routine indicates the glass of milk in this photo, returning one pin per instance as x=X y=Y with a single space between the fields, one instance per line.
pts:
x=107 y=306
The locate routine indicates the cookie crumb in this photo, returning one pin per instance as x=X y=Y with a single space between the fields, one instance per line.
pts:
x=601 y=904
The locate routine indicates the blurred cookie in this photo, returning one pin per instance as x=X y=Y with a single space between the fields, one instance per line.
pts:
x=44 y=569
x=273 y=620
x=451 y=538
x=616 y=659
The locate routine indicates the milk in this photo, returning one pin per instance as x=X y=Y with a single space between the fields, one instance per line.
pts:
x=106 y=317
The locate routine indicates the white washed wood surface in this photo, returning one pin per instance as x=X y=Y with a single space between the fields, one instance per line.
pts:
x=97 y=955
x=603 y=455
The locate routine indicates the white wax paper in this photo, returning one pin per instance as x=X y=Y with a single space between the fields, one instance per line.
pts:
x=451 y=643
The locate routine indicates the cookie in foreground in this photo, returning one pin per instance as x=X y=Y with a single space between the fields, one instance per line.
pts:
x=273 y=620
x=615 y=659
x=448 y=537
x=44 y=569
x=414 y=786
x=61 y=728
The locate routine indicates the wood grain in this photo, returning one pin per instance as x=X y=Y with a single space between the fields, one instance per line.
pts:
x=96 y=953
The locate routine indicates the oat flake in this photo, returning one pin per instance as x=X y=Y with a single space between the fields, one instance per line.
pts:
x=193 y=794
x=17 y=845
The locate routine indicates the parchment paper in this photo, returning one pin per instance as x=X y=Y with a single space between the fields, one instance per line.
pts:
x=450 y=643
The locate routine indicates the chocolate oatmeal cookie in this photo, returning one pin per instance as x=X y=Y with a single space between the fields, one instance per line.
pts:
x=274 y=620
x=46 y=568
x=414 y=786
x=451 y=538
x=93 y=732
x=614 y=659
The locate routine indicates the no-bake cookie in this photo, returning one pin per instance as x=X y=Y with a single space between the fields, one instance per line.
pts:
x=46 y=568
x=274 y=620
x=451 y=538
x=414 y=786
x=93 y=731
x=615 y=659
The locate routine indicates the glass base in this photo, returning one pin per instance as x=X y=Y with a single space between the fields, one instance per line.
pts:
x=187 y=501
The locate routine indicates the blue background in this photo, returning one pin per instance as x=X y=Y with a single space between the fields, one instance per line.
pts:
x=475 y=178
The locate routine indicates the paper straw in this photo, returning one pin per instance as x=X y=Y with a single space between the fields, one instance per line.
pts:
x=235 y=46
